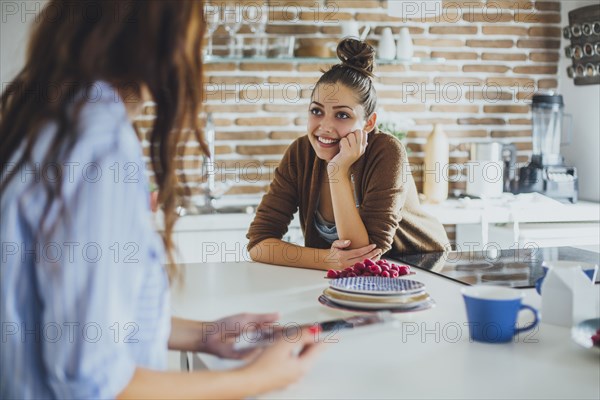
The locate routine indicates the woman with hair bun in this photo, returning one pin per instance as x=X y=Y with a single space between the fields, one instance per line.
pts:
x=350 y=182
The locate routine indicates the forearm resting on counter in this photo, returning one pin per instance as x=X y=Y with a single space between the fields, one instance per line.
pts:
x=277 y=252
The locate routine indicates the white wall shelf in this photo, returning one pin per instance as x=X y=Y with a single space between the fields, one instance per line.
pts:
x=314 y=60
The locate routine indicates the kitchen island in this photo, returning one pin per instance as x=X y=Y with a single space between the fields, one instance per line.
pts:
x=424 y=354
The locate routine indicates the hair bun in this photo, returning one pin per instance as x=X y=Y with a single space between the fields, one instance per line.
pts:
x=357 y=55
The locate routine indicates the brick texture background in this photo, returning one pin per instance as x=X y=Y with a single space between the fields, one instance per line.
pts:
x=497 y=54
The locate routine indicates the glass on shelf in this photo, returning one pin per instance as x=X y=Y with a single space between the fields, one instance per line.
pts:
x=232 y=21
x=275 y=48
x=282 y=47
x=257 y=17
x=212 y=19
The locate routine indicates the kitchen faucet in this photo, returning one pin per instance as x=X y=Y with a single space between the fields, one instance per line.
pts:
x=208 y=166
x=212 y=190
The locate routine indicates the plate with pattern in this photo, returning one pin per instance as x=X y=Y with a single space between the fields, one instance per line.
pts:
x=377 y=285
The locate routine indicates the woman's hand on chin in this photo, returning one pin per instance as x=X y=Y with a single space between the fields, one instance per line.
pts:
x=352 y=146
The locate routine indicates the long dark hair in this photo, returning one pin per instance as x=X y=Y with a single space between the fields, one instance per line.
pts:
x=132 y=44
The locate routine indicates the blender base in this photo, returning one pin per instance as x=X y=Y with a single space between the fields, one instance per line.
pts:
x=558 y=182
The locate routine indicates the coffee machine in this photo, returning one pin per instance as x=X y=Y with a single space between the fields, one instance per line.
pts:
x=546 y=173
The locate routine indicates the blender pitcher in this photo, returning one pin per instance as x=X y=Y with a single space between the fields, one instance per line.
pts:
x=546 y=173
x=547 y=114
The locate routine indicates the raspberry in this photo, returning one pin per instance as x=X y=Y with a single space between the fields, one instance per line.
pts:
x=394 y=274
x=385 y=274
x=394 y=267
x=343 y=274
x=352 y=275
x=368 y=263
x=596 y=339
x=375 y=269
x=404 y=270
x=385 y=267
x=359 y=266
x=367 y=274
x=349 y=269
x=382 y=263
x=358 y=270
x=333 y=274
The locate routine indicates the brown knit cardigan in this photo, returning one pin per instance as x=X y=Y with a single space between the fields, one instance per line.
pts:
x=384 y=191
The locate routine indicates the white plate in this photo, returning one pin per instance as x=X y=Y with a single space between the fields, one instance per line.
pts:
x=329 y=303
x=582 y=333
x=366 y=298
x=378 y=306
x=376 y=285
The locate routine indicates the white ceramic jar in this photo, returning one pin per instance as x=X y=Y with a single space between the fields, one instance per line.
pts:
x=435 y=173
x=386 y=49
x=404 y=47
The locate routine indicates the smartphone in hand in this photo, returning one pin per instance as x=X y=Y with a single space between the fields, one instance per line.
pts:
x=266 y=337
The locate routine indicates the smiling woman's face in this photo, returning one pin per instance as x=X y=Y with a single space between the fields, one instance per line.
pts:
x=333 y=113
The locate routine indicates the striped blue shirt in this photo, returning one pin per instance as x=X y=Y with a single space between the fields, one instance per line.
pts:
x=87 y=302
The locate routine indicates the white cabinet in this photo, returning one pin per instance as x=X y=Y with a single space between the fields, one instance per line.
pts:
x=549 y=234
x=218 y=238
x=509 y=225
x=203 y=246
x=526 y=235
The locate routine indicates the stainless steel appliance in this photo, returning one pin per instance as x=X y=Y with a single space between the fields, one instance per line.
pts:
x=546 y=173
x=515 y=268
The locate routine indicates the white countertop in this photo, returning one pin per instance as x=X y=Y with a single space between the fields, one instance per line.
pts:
x=523 y=208
x=428 y=355
x=450 y=212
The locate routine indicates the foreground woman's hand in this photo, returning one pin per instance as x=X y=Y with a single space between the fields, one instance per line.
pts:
x=284 y=362
x=276 y=366
x=220 y=336
x=340 y=258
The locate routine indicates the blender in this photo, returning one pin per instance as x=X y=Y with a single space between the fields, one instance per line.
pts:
x=546 y=173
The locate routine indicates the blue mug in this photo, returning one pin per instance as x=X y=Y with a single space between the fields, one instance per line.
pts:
x=492 y=313
x=589 y=269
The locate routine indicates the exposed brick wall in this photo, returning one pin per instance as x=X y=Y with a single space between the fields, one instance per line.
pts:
x=498 y=53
